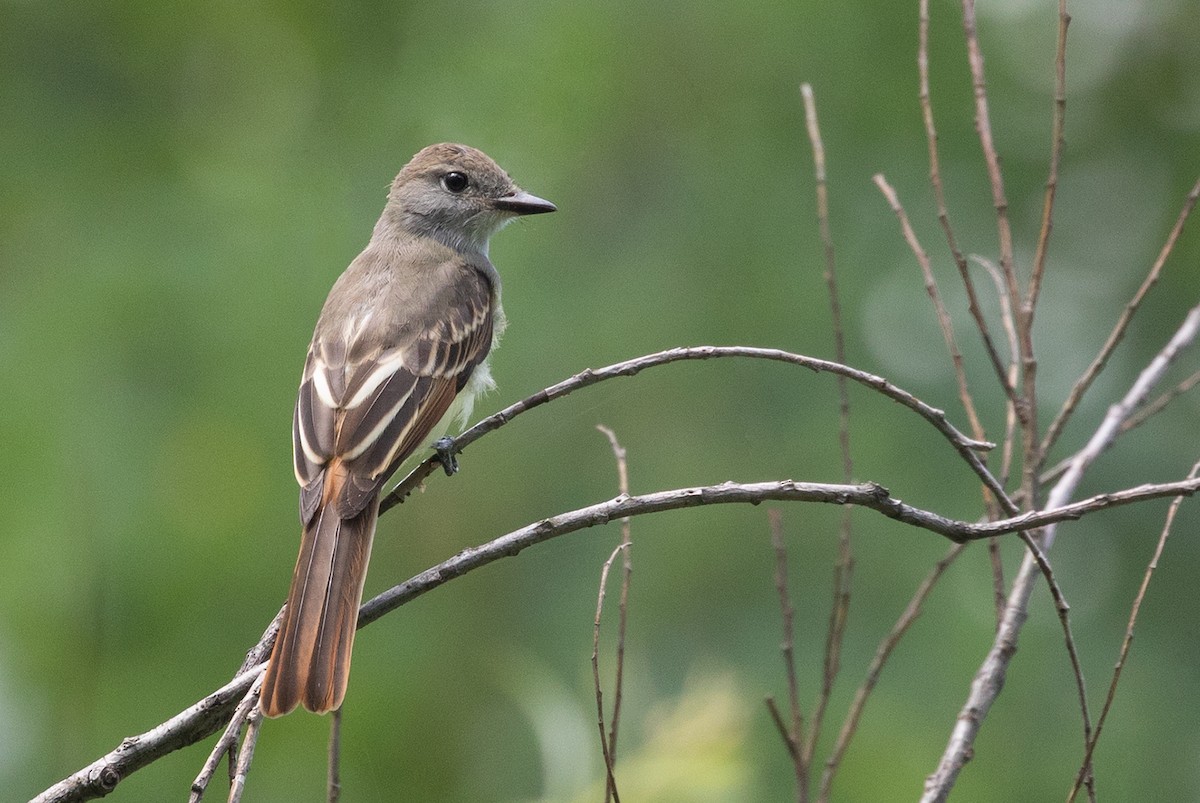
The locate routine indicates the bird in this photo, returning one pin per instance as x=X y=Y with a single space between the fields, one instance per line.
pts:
x=401 y=344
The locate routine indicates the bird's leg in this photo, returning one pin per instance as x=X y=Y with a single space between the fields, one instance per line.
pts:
x=444 y=446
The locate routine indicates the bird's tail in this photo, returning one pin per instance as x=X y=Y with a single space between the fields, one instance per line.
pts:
x=311 y=660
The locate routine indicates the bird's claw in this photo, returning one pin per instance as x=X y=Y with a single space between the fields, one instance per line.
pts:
x=444 y=447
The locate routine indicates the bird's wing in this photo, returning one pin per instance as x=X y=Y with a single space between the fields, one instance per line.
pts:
x=367 y=402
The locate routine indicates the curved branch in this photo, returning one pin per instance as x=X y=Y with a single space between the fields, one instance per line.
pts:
x=966 y=447
x=208 y=715
x=868 y=495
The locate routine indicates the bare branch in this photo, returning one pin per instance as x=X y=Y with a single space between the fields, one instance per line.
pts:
x=882 y=653
x=1086 y=767
x=623 y=604
x=1056 y=147
x=185 y=728
x=965 y=446
x=610 y=780
x=843 y=570
x=793 y=734
x=935 y=179
x=990 y=677
x=868 y=495
x=943 y=317
x=207 y=716
x=1152 y=408
x=1118 y=333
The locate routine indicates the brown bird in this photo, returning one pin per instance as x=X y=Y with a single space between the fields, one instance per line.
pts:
x=404 y=332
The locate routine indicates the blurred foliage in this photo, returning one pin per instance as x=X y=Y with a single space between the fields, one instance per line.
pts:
x=180 y=183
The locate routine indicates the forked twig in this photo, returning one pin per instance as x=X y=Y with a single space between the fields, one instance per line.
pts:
x=246 y=755
x=226 y=745
x=1085 y=767
x=1139 y=417
x=990 y=677
x=622 y=607
x=610 y=780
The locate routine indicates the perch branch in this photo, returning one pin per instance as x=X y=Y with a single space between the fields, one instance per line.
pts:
x=965 y=446
x=208 y=715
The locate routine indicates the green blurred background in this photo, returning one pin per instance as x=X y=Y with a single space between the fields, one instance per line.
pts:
x=180 y=183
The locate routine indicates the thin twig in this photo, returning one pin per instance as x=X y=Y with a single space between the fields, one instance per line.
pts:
x=246 y=755
x=1085 y=769
x=943 y=317
x=610 y=782
x=623 y=606
x=785 y=733
x=990 y=677
x=843 y=570
x=835 y=307
x=999 y=594
x=1010 y=331
x=882 y=653
x=983 y=127
x=1056 y=147
x=794 y=733
x=1139 y=417
x=226 y=745
x=335 y=755
x=1157 y=406
x=1089 y=375
x=1063 y=610
x=935 y=179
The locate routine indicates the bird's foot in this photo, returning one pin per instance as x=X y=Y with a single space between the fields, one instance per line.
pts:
x=444 y=447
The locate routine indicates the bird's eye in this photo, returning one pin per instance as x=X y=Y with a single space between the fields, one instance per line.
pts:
x=455 y=182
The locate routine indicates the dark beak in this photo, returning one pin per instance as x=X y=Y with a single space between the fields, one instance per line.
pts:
x=522 y=203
